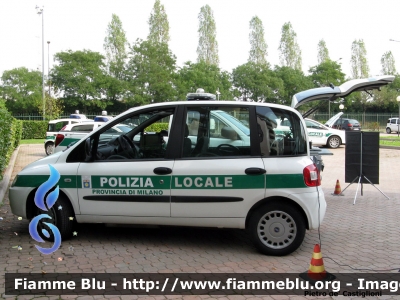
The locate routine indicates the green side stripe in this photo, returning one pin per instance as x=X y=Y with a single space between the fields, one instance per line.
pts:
x=66 y=181
x=285 y=181
x=273 y=181
x=218 y=182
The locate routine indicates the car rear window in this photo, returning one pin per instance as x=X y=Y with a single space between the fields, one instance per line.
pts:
x=353 y=121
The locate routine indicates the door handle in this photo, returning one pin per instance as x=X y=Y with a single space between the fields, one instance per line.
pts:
x=255 y=171
x=162 y=171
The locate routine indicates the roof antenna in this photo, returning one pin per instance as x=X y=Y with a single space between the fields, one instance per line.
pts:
x=331 y=85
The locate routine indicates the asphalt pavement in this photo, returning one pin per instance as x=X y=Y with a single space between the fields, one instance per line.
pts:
x=360 y=238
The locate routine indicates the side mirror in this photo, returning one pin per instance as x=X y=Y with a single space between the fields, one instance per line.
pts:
x=229 y=133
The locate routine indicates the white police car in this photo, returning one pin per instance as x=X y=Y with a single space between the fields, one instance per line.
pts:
x=321 y=135
x=263 y=180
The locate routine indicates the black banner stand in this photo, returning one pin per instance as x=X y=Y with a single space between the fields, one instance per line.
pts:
x=361 y=176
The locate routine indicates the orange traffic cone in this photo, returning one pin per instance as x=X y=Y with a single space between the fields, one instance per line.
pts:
x=316 y=271
x=338 y=190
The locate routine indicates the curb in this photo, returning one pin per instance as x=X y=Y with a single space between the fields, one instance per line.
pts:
x=7 y=175
x=390 y=147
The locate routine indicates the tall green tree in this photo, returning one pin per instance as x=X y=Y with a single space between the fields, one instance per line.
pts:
x=81 y=79
x=290 y=53
x=359 y=62
x=258 y=46
x=207 y=50
x=159 y=25
x=115 y=46
x=22 y=90
x=201 y=75
x=359 y=69
x=256 y=82
x=323 y=53
x=388 y=64
x=151 y=73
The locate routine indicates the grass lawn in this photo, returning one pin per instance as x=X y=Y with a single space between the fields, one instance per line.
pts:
x=32 y=141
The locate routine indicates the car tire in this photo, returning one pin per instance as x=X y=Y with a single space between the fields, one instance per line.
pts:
x=49 y=148
x=334 y=142
x=277 y=229
x=60 y=214
x=388 y=130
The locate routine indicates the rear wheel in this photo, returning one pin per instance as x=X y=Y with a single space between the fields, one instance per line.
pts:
x=334 y=142
x=277 y=229
x=388 y=130
x=49 y=148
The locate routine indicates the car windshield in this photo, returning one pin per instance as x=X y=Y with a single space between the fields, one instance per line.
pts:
x=243 y=128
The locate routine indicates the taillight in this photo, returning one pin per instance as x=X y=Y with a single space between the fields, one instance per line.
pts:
x=311 y=175
x=350 y=125
x=59 y=139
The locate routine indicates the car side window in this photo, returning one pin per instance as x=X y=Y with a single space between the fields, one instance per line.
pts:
x=216 y=131
x=142 y=135
x=280 y=132
x=80 y=128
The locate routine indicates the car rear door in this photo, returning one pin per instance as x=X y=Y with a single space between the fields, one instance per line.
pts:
x=216 y=178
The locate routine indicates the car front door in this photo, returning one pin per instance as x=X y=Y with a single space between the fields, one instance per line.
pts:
x=218 y=177
x=129 y=174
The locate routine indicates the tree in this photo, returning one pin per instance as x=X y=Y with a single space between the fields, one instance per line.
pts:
x=323 y=53
x=159 y=26
x=360 y=69
x=22 y=90
x=81 y=79
x=151 y=73
x=201 y=75
x=327 y=72
x=359 y=63
x=258 y=47
x=290 y=53
x=294 y=81
x=115 y=44
x=54 y=107
x=207 y=49
x=388 y=64
x=256 y=82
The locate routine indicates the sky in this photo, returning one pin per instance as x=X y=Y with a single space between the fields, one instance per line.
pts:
x=78 y=25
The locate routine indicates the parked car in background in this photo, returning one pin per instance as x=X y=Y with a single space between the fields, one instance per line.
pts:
x=72 y=133
x=337 y=122
x=321 y=135
x=54 y=126
x=392 y=124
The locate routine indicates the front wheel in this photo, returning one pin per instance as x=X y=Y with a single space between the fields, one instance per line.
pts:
x=61 y=215
x=334 y=142
x=277 y=229
x=49 y=148
x=388 y=130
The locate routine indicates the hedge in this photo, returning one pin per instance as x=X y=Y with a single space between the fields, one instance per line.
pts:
x=10 y=136
x=34 y=130
x=157 y=127
x=37 y=129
